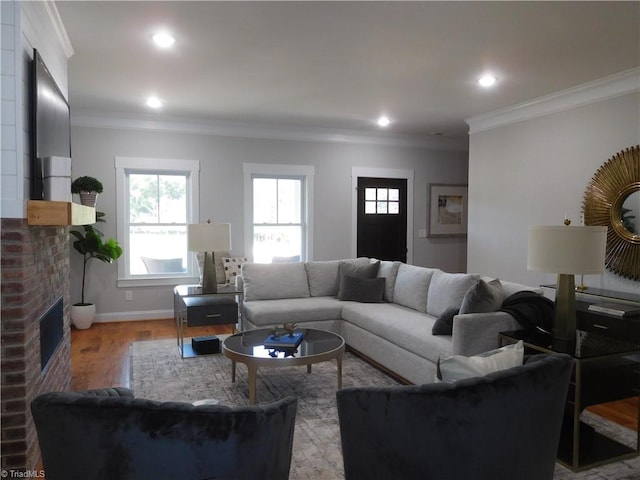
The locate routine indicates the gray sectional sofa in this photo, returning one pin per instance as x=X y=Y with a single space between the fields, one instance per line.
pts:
x=394 y=328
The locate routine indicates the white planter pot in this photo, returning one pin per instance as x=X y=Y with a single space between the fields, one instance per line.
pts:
x=82 y=315
x=88 y=198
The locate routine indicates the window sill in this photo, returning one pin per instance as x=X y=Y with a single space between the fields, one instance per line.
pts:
x=156 y=281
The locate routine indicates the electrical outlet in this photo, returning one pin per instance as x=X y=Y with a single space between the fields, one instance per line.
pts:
x=128 y=295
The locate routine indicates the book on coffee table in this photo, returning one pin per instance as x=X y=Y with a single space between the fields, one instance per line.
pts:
x=286 y=341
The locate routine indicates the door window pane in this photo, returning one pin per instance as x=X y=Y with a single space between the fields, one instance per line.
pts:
x=381 y=201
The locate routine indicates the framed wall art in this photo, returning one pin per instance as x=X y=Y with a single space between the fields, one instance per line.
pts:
x=448 y=208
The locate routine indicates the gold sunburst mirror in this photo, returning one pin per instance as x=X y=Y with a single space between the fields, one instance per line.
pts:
x=612 y=199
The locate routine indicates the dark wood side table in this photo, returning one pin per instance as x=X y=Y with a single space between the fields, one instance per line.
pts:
x=192 y=308
x=606 y=369
x=625 y=326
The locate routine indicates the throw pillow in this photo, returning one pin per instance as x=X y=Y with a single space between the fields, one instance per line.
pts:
x=363 y=290
x=232 y=268
x=389 y=270
x=444 y=323
x=456 y=367
x=369 y=270
x=483 y=297
x=447 y=290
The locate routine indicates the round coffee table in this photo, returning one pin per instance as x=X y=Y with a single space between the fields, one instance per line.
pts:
x=247 y=347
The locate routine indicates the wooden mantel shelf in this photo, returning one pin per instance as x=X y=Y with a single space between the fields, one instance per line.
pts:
x=42 y=212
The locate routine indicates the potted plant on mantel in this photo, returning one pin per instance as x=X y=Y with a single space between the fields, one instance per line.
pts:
x=89 y=243
x=88 y=188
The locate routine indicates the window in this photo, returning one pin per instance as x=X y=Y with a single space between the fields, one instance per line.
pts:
x=156 y=201
x=277 y=206
x=381 y=201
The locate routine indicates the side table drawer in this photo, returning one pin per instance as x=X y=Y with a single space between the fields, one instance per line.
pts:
x=211 y=311
x=603 y=324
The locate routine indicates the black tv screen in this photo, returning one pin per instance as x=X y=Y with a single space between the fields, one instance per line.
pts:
x=50 y=122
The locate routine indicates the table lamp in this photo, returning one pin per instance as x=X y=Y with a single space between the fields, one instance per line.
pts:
x=566 y=250
x=209 y=237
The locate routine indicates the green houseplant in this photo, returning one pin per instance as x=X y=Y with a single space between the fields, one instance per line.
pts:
x=88 y=188
x=90 y=244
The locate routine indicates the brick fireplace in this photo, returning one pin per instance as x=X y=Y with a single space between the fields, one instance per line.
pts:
x=35 y=274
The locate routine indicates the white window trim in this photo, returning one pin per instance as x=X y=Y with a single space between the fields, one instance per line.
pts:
x=278 y=170
x=124 y=164
x=408 y=175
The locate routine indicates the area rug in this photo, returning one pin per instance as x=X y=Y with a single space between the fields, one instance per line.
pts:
x=158 y=373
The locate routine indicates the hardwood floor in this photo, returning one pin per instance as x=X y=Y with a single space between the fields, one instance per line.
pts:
x=100 y=358
x=100 y=354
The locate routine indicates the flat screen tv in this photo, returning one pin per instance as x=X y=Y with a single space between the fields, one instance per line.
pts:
x=50 y=122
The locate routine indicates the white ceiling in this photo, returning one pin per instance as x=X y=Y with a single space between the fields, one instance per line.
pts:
x=340 y=64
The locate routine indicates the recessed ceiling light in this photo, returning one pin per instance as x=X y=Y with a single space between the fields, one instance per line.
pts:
x=154 y=102
x=383 y=121
x=487 y=80
x=163 y=40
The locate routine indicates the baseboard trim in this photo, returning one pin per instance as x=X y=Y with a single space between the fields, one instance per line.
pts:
x=133 y=316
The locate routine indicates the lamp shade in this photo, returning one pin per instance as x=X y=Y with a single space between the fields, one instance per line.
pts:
x=208 y=237
x=567 y=249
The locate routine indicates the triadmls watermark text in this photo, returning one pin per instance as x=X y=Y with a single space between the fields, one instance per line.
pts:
x=21 y=473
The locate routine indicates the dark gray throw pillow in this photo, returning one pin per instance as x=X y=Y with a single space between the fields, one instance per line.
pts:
x=364 y=290
x=369 y=270
x=483 y=297
x=444 y=323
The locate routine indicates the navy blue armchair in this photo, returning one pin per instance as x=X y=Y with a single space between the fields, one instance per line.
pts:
x=504 y=425
x=108 y=434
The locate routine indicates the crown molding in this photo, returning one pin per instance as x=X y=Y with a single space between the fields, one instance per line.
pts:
x=622 y=83
x=59 y=28
x=99 y=119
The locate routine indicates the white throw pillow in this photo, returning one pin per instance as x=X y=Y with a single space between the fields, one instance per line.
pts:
x=232 y=268
x=452 y=368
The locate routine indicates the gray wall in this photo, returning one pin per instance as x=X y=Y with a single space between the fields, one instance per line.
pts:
x=221 y=196
x=535 y=172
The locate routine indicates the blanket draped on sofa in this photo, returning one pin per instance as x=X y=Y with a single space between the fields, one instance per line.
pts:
x=530 y=310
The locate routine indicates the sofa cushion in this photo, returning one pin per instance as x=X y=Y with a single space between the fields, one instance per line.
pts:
x=389 y=271
x=294 y=310
x=412 y=284
x=356 y=269
x=483 y=297
x=365 y=290
x=452 y=368
x=402 y=326
x=447 y=290
x=274 y=280
x=323 y=277
x=444 y=323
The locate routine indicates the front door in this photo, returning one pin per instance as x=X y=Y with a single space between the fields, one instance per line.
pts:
x=382 y=218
